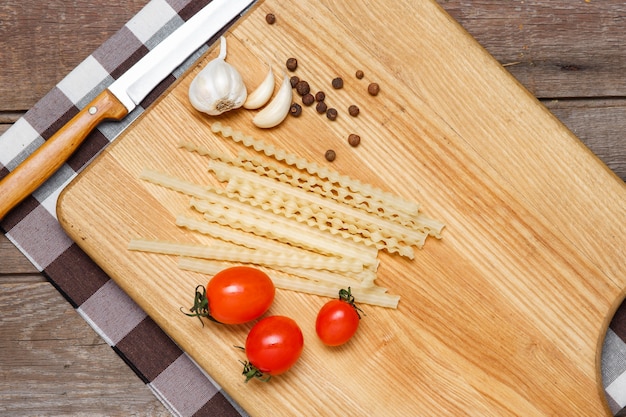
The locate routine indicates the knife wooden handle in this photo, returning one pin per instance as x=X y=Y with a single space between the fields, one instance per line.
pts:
x=50 y=156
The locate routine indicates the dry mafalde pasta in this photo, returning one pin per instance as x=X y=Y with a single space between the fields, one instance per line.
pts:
x=212 y=201
x=264 y=223
x=288 y=200
x=235 y=253
x=314 y=169
x=317 y=185
x=363 y=278
x=312 y=229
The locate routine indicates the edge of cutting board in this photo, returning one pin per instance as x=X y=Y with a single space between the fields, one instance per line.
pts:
x=438 y=109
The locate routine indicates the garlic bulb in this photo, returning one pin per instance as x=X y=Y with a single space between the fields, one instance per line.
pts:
x=218 y=87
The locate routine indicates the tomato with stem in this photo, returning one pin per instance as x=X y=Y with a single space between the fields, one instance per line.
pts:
x=234 y=295
x=338 y=320
x=273 y=346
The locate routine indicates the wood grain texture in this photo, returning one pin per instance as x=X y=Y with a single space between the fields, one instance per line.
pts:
x=52 y=363
x=41 y=44
x=504 y=316
x=557 y=49
x=35 y=56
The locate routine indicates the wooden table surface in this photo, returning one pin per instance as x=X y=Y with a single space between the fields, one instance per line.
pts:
x=568 y=53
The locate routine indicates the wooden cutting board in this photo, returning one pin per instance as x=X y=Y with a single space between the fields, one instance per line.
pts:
x=503 y=316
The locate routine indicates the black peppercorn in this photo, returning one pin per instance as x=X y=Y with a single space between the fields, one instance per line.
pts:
x=292 y=64
x=330 y=155
x=308 y=99
x=373 y=89
x=331 y=114
x=294 y=81
x=353 y=110
x=337 y=83
x=295 y=110
x=354 y=140
x=359 y=74
x=303 y=88
x=320 y=96
x=270 y=18
x=321 y=107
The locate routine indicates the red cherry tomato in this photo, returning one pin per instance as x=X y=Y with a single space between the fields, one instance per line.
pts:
x=235 y=295
x=273 y=346
x=338 y=320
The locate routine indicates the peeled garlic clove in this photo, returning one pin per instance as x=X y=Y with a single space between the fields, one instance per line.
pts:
x=261 y=95
x=219 y=87
x=276 y=111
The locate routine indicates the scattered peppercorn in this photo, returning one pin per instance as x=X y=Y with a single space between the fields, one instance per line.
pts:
x=295 y=110
x=294 y=81
x=331 y=114
x=337 y=83
x=353 y=110
x=308 y=99
x=330 y=155
x=320 y=96
x=292 y=64
x=270 y=18
x=359 y=74
x=321 y=107
x=303 y=88
x=354 y=139
x=373 y=89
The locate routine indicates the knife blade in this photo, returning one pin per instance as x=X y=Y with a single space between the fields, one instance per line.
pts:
x=118 y=100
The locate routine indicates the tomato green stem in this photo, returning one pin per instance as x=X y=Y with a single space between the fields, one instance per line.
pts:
x=250 y=371
x=200 y=306
x=346 y=295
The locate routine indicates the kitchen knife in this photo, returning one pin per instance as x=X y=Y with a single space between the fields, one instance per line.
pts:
x=119 y=99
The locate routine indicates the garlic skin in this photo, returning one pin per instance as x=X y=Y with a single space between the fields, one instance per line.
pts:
x=219 y=87
x=276 y=111
x=261 y=95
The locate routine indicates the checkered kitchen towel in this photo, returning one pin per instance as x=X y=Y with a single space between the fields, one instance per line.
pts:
x=33 y=227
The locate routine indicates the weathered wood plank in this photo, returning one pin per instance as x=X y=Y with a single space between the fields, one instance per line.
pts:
x=54 y=364
x=12 y=260
x=600 y=124
x=40 y=45
x=562 y=49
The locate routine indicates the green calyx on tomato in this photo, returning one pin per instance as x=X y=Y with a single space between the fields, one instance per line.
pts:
x=251 y=372
x=200 y=306
x=273 y=346
x=346 y=295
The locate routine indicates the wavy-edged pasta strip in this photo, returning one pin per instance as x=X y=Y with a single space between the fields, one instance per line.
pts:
x=263 y=223
x=373 y=296
x=367 y=190
x=312 y=183
x=204 y=151
x=180 y=185
x=274 y=226
x=254 y=219
x=234 y=253
x=319 y=218
x=334 y=191
x=252 y=241
x=363 y=279
x=306 y=203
